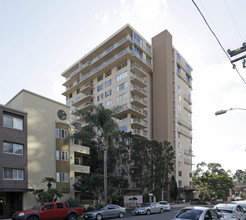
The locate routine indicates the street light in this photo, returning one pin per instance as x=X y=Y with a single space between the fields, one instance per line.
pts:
x=224 y=111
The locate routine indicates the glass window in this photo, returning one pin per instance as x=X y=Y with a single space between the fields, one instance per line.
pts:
x=121 y=76
x=148 y=49
x=57 y=177
x=12 y=122
x=99 y=97
x=121 y=97
x=108 y=83
x=178 y=69
x=121 y=86
x=12 y=148
x=122 y=65
x=59 y=205
x=108 y=93
x=99 y=78
x=57 y=155
x=108 y=73
x=64 y=133
x=64 y=155
x=137 y=39
x=65 y=177
x=49 y=206
x=57 y=133
x=108 y=103
x=178 y=58
x=100 y=87
x=13 y=174
x=123 y=128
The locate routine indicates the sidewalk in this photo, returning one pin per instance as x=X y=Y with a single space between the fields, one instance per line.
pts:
x=180 y=205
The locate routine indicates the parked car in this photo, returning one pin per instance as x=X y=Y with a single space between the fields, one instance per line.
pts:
x=230 y=211
x=241 y=203
x=49 y=210
x=197 y=213
x=148 y=208
x=166 y=205
x=108 y=211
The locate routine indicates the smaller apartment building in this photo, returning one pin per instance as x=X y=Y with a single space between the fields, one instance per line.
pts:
x=48 y=154
x=13 y=160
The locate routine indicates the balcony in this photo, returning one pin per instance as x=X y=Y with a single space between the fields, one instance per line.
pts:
x=131 y=109
x=141 y=103
x=188 y=107
x=137 y=122
x=85 y=107
x=83 y=99
x=136 y=79
x=110 y=63
x=189 y=152
x=138 y=132
x=188 y=98
x=185 y=132
x=137 y=69
x=136 y=90
x=184 y=122
x=87 y=87
x=188 y=161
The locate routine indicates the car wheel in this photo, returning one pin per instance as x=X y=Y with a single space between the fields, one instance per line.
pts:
x=161 y=210
x=148 y=212
x=72 y=217
x=99 y=217
x=33 y=218
x=121 y=215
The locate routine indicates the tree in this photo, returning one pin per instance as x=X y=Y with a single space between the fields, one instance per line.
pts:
x=214 y=182
x=92 y=185
x=51 y=194
x=103 y=129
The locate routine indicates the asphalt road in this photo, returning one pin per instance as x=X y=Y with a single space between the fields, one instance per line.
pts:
x=168 y=215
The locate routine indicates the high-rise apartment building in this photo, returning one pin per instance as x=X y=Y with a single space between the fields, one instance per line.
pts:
x=150 y=83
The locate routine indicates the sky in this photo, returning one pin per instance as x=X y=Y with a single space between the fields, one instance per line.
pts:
x=39 y=39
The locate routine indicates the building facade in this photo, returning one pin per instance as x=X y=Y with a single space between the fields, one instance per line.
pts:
x=151 y=85
x=13 y=160
x=48 y=154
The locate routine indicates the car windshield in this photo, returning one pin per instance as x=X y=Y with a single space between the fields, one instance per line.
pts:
x=38 y=206
x=192 y=214
x=145 y=205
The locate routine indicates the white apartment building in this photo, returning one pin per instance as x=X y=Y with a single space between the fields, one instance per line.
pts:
x=151 y=83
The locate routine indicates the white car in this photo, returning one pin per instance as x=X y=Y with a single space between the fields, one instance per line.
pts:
x=230 y=211
x=197 y=213
x=166 y=205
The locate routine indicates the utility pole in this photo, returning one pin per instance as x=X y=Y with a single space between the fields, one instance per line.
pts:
x=236 y=52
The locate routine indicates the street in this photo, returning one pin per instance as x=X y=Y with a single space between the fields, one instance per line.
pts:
x=168 y=215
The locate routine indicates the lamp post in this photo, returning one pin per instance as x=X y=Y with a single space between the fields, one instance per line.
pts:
x=224 y=111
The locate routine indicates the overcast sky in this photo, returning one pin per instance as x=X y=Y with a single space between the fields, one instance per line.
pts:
x=39 y=39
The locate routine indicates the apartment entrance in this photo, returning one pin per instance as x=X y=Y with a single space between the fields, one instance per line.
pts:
x=10 y=202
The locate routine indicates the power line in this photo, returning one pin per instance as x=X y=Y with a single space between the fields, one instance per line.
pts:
x=233 y=20
x=233 y=65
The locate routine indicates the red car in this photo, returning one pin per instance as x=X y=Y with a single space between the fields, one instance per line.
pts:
x=49 y=210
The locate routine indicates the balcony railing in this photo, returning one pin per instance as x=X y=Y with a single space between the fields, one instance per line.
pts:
x=88 y=63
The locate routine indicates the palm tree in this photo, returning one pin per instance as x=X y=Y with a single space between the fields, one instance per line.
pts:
x=103 y=128
x=49 y=181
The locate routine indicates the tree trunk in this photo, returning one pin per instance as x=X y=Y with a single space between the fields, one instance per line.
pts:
x=105 y=177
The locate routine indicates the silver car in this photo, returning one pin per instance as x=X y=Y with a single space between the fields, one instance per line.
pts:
x=166 y=205
x=197 y=213
x=230 y=211
x=148 y=208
